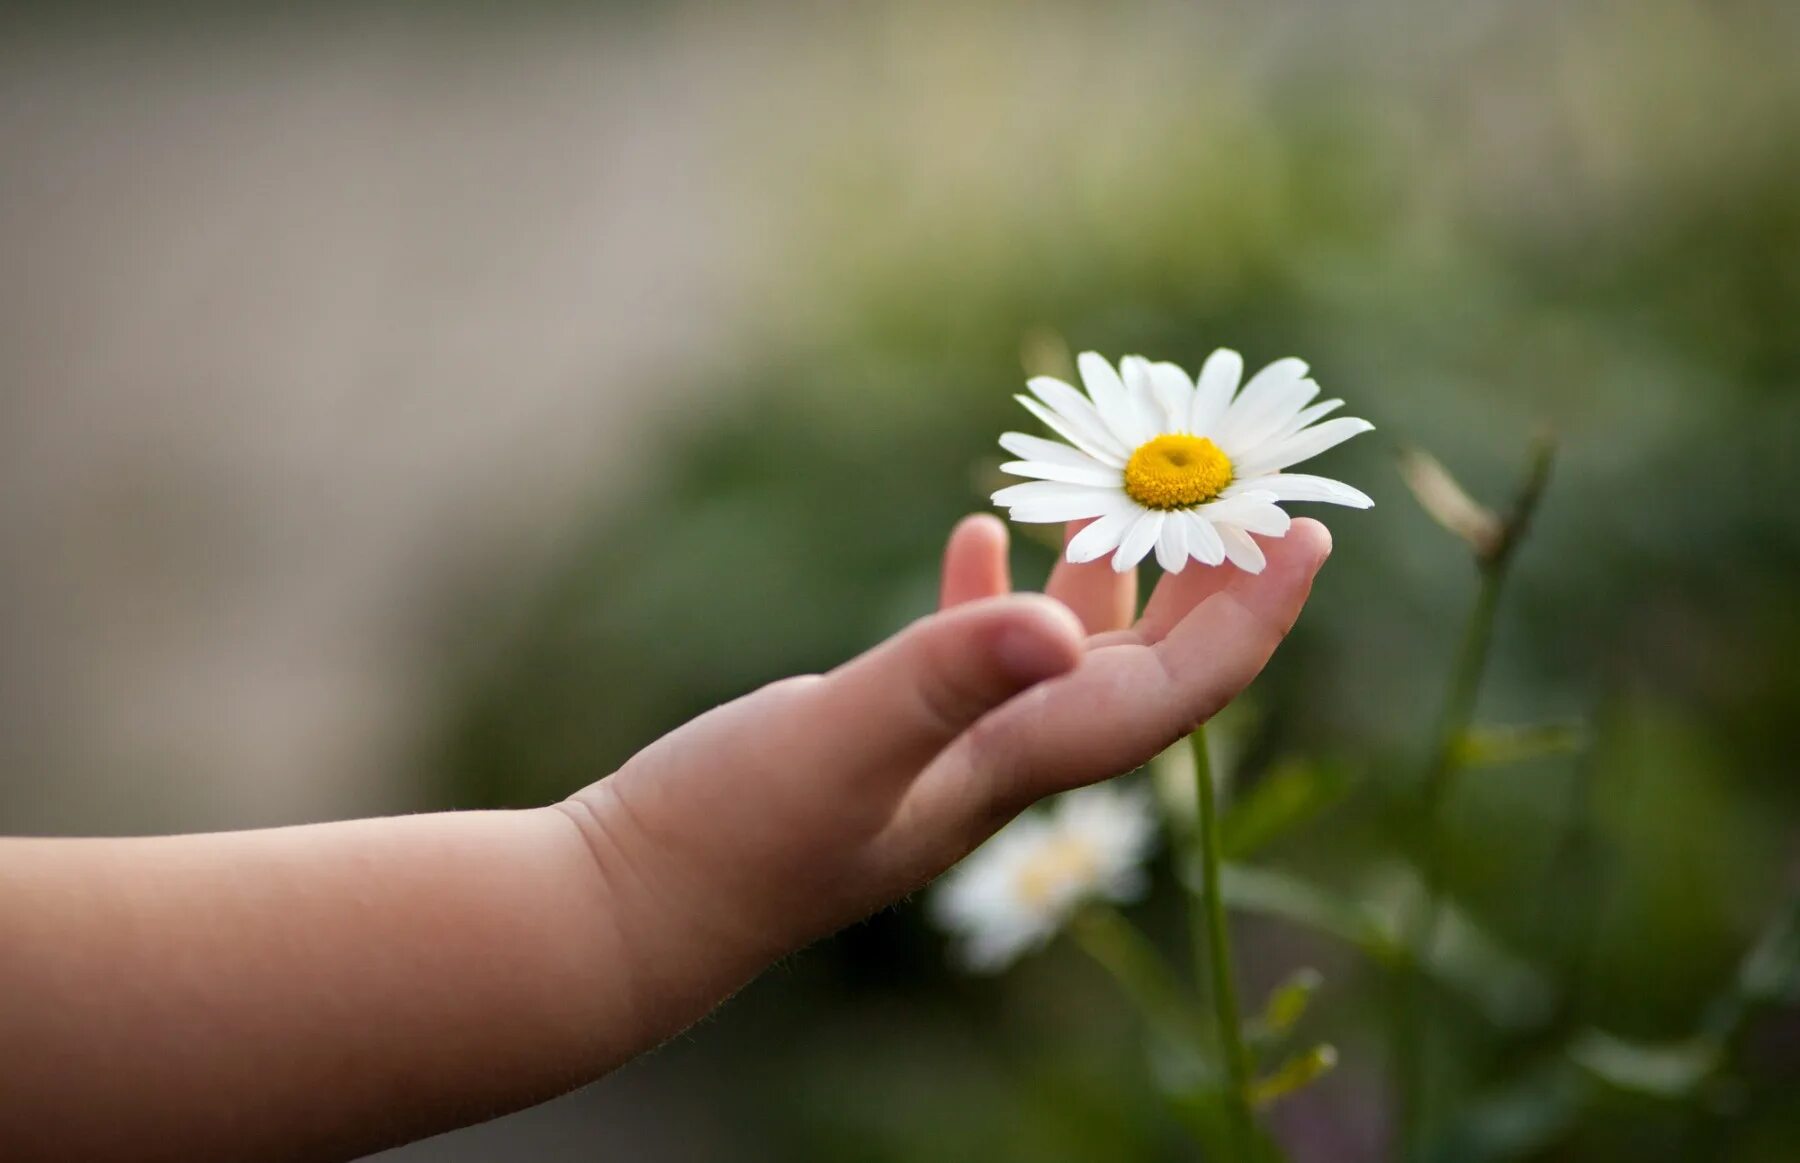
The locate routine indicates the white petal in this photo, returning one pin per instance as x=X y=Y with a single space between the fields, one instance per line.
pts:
x=1045 y=491
x=1093 y=474
x=1171 y=546
x=1241 y=549
x=1045 y=501
x=1079 y=411
x=1057 y=512
x=1212 y=394
x=1307 y=416
x=1140 y=379
x=1037 y=448
x=1203 y=539
x=1295 y=486
x=1077 y=434
x=1119 y=827
x=1175 y=392
x=1252 y=512
x=1138 y=540
x=1271 y=398
x=1129 y=426
x=1302 y=445
x=1101 y=537
x=994 y=948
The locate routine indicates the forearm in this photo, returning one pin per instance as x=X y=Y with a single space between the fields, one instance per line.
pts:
x=302 y=992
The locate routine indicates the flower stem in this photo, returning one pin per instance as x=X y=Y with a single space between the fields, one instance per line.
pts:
x=1137 y=967
x=1436 y=785
x=1167 y=1010
x=1218 y=958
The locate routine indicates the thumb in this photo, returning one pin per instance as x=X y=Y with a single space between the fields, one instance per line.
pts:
x=890 y=710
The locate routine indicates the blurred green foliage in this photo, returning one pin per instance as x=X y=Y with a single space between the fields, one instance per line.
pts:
x=1577 y=219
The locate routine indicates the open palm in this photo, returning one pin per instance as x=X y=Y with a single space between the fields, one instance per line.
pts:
x=807 y=804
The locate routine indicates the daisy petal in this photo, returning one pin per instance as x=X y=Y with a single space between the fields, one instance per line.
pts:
x=1138 y=540
x=1272 y=397
x=1047 y=491
x=1053 y=452
x=1047 y=501
x=1296 y=486
x=1056 y=512
x=1078 y=410
x=1128 y=424
x=1100 y=537
x=1203 y=540
x=1242 y=549
x=1307 y=416
x=1141 y=382
x=1097 y=475
x=1075 y=434
x=1252 y=513
x=1175 y=392
x=1302 y=445
x=1212 y=393
x=994 y=948
x=1171 y=546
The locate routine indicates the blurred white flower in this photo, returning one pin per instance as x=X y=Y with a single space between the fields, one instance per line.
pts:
x=1013 y=893
x=1160 y=462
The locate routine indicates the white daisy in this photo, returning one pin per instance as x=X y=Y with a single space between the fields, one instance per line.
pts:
x=1160 y=462
x=1013 y=893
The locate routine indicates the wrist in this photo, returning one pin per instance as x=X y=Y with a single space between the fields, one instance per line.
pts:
x=675 y=946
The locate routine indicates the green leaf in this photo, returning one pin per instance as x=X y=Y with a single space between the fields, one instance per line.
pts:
x=1498 y=746
x=1293 y=793
x=1465 y=959
x=1289 y=898
x=1672 y=1070
x=1288 y=1001
x=1295 y=1074
x=1286 y=1004
x=1770 y=973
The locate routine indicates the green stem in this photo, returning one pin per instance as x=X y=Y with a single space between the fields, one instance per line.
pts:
x=1140 y=971
x=1575 y=892
x=1436 y=785
x=1218 y=955
x=1421 y=927
x=1152 y=988
x=1199 y=918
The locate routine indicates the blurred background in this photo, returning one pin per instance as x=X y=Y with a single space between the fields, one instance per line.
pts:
x=411 y=406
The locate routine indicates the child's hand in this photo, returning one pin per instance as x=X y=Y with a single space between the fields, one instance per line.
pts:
x=779 y=817
x=317 y=992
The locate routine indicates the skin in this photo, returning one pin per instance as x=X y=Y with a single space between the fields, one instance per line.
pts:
x=320 y=992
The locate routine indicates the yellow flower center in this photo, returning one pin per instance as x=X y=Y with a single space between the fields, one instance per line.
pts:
x=1059 y=864
x=1176 y=472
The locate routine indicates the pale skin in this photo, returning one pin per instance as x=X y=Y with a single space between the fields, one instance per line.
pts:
x=320 y=992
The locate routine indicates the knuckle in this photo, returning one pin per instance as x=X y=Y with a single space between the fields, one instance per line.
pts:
x=950 y=690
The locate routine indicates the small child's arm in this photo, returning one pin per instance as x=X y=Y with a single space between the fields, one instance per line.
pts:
x=319 y=992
